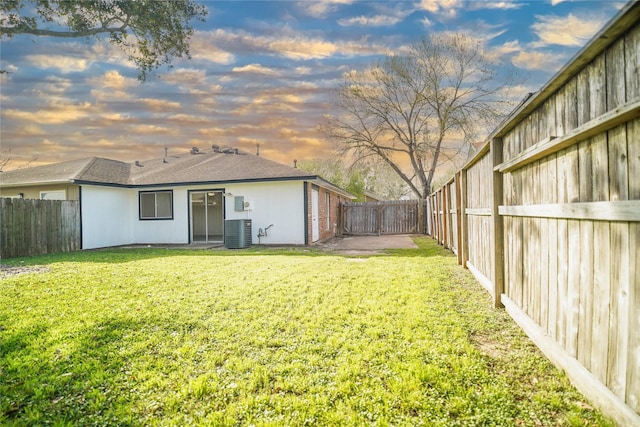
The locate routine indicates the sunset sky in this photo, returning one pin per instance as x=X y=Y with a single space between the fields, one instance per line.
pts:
x=261 y=72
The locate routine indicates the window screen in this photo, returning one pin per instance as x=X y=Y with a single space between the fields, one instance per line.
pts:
x=156 y=205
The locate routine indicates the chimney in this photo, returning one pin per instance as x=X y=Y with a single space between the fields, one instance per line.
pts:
x=139 y=164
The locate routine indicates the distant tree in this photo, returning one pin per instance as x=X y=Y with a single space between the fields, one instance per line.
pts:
x=418 y=110
x=7 y=162
x=359 y=179
x=151 y=32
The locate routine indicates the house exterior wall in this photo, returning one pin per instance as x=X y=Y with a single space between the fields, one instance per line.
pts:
x=159 y=231
x=106 y=216
x=277 y=203
x=328 y=211
x=33 y=192
x=110 y=215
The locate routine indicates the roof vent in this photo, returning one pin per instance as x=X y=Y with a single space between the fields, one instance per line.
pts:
x=216 y=148
x=227 y=150
x=195 y=150
x=139 y=164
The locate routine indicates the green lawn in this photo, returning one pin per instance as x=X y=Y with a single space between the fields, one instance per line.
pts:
x=268 y=338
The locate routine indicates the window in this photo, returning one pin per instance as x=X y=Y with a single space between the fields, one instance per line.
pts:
x=53 y=195
x=156 y=204
x=327 y=202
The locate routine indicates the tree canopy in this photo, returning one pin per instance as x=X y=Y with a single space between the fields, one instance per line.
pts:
x=361 y=179
x=415 y=111
x=151 y=32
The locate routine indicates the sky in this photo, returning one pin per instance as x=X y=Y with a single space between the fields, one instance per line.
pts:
x=261 y=73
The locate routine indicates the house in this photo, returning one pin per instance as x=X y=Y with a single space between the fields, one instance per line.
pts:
x=186 y=198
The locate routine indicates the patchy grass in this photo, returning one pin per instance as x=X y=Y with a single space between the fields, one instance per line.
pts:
x=268 y=338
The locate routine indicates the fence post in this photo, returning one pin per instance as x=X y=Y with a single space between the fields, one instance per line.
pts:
x=497 y=230
x=464 y=246
x=457 y=184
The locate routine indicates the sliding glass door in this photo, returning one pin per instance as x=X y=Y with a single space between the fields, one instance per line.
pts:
x=207 y=216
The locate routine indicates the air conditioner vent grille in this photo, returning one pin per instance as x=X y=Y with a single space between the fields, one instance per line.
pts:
x=237 y=233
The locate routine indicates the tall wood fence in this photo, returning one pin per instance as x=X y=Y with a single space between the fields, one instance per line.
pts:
x=376 y=218
x=547 y=218
x=33 y=227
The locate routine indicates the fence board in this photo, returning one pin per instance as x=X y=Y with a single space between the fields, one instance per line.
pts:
x=570 y=217
x=34 y=227
x=389 y=217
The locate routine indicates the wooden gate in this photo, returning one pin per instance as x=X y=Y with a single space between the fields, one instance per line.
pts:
x=389 y=217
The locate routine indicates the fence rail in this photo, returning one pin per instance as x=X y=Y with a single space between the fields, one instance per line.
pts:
x=34 y=227
x=547 y=218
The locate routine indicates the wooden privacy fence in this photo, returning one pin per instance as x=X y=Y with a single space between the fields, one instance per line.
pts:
x=375 y=218
x=33 y=227
x=547 y=218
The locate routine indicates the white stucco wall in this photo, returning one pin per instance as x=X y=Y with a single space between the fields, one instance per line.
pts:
x=106 y=216
x=277 y=203
x=110 y=215
x=172 y=231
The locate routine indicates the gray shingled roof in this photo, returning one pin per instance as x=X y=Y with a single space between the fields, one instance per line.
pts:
x=89 y=169
x=202 y=167
x=212 y=166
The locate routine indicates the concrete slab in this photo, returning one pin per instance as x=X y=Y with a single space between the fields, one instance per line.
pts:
x=369 y=244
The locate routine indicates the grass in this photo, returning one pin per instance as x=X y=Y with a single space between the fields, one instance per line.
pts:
x=268 y=338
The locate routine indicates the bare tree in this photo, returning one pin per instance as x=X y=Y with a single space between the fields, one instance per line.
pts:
x=152 y=32
x=421 y=109
x=7 y=162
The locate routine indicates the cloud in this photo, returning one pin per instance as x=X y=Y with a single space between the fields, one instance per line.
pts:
x=442 y=7
x=160 y=104
x=203 y=47
x=256 y=69
x=504 y=5
x=66 y=64
x=148 y=129
x=56 y=113
x=114 y=80
x=320 y=9
x=531 y=60
x=569 y=30
x=370 y=21
x=185 y=77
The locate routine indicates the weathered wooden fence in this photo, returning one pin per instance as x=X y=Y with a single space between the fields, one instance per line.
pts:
x=388 y=217
x=547 y=217
x=33 y=227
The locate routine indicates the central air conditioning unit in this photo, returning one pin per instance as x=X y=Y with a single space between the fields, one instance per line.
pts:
x=237 y=233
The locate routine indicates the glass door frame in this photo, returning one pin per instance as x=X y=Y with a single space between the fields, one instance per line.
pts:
x=190 y=194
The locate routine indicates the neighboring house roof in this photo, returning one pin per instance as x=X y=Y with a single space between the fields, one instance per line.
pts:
x=211 y=166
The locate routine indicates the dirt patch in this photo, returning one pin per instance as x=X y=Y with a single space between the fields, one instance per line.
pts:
x=10 y=270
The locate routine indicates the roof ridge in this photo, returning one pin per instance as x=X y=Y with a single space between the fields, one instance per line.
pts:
x=90 y=162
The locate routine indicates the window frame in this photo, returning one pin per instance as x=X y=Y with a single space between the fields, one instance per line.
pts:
x=44 y=193
x=155 y=194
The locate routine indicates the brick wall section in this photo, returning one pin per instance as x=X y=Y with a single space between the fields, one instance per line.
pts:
x=334 y=202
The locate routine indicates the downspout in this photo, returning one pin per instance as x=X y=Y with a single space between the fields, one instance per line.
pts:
x=306 y=213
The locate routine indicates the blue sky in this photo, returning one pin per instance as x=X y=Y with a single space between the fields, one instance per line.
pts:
x=262 y=72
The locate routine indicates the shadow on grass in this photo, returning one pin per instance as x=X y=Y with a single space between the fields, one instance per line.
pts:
x=78 y=377
x=427 y=247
